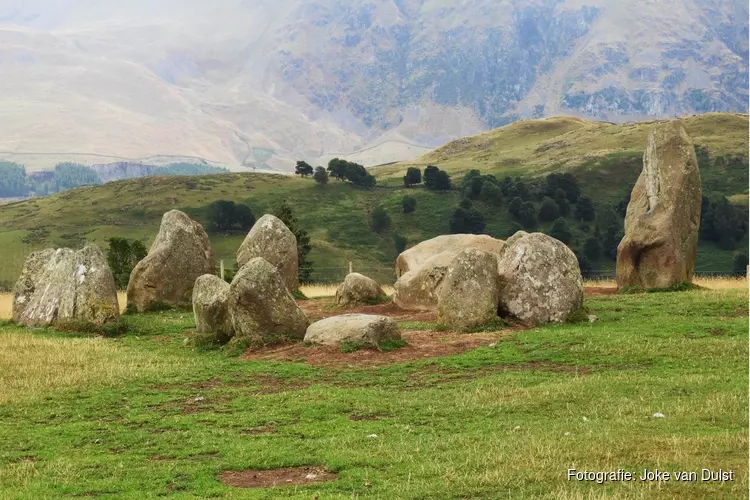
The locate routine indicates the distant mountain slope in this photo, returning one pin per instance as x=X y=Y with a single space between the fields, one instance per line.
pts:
x=263 y=83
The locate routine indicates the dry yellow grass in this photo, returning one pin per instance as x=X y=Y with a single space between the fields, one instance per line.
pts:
x=33 y=364
x=710 y=282
x=329 y=290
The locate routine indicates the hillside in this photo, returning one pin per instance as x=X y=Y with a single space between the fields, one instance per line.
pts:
x=262 y=83
x=605 y=159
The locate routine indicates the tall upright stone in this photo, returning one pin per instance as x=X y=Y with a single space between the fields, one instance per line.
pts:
x=664 y=213
x=179 y=255
x=271 y=240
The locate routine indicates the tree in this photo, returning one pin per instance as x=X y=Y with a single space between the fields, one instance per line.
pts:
x=466 y=220
x=337 y=169
x=225 y=215
x=436 y=179
x=583 y=263
x=724 y=223
x=320 y=176
x=514 y=207
x=122 y=257
x=303 y=169
x=561 y=231
x=221 y=215
x=610 y=229
x=72 y=175
x=527 y=215
x=430 y=176
x=592 y=249
x=379 y=219
x=399 y=242
x=443 y=181
x=243 y=217
x=567 y=182
x=491 y=193
x=549 y=210
x=471 y=184
x=413 y=176
x=585 y=209
x=12 y=180
x=285 y=213
x=409 y=204
x=562 y=202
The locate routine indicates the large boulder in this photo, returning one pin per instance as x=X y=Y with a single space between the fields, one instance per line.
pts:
x=261 y=307
x=358 y=289
x=540 y=280
x=419 y=254
x=58 y=286
x=272 y=240
x=365 y=329
x=469 y=294
x=180 y=254
x=418 y=289
x=664 y=213
x=211 y=307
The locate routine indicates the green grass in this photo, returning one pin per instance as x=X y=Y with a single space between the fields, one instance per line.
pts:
x=143 y=415
x=605 y=158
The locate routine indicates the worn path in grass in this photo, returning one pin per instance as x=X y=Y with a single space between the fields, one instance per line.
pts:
x=143 y=416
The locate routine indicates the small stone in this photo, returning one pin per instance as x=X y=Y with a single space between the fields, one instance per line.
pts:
x=372 y=436
x=593 y=318
x=658 y=415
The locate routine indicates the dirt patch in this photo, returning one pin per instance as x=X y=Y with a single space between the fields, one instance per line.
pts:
x=421 y=345
x=290 y=476
x=599 y=291
x=317 y=309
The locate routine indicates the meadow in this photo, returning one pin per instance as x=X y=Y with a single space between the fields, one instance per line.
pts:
x=143 y=415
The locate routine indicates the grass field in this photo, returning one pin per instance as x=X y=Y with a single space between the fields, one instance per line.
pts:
x=143 y=416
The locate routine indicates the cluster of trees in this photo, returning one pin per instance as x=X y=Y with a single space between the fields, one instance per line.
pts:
x=723 y=223
x=338 y=169
x=122 y=257
x=224 y=215
x=433 y=178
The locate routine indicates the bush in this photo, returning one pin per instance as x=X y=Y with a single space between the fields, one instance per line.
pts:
x=527 y=215
x=436 y=179
x=585 y=209
x=467 y=219
x=379 y=219
x=224 y=215
x=399 y=242
x=491 y=193
x=409 y=204
x=320 y=175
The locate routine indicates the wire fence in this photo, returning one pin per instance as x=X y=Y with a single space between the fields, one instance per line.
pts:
x=11 y=264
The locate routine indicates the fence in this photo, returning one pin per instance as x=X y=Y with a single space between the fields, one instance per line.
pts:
x=11 y=263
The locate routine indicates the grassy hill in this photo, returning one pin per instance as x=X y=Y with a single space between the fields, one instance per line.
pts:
x=605 y=158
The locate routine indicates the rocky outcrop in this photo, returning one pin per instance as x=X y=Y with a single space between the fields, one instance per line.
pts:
x=271 y=240
x=419 y=254
x=180 y=254
x=540 y=280
x=364 y=329
x=358 y=289
x=211 y=307
x=261 y=307
x=62 y=285
x=664 y=213
x=469 y=294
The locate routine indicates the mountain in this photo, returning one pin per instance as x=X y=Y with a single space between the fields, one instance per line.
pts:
x=262 y=83
x=337 y=215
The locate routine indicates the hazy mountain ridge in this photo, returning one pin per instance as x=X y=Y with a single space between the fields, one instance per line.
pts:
x=264 y=83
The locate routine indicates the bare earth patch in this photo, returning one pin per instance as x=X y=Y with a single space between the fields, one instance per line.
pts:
x=599 y=291
x=290 y=476
x=421 y=345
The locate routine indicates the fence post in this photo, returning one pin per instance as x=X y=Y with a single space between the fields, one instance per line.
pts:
x=222 y=269
x=351 y=267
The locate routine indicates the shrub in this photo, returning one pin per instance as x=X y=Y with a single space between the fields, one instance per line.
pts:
x=549 y=210
x=409 y=204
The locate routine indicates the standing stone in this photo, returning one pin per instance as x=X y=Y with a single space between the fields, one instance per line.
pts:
x=62 y=285
x=358 y=289
x=664 y=213
x=211 y=307
x=470 y=292
x=261 y=307
x=540 y=280
x=272 y=240
x=365 y=329
x=180 y=254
